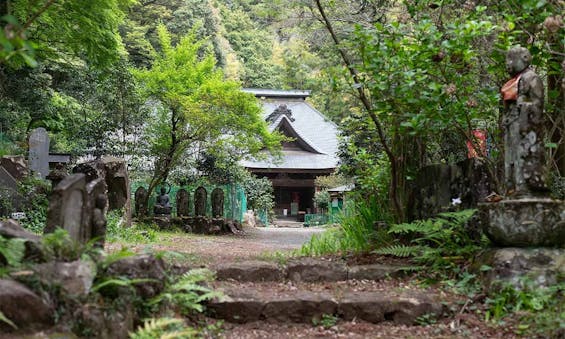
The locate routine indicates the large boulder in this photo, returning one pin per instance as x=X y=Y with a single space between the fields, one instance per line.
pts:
x=23 y=307
x=15 y=165
x=144 y=266
x=11 y=229
x=75 y=278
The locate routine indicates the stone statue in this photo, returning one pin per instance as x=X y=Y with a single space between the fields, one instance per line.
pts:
x=162 y=205
x=527 y=216
x=140 y=196
x=523 y=122
x=99 y=220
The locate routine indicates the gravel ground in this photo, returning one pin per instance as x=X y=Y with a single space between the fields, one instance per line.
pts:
x=205 y=250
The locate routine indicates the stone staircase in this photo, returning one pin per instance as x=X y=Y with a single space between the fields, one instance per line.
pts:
x=305 y=290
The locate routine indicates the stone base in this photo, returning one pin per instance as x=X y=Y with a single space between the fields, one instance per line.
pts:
x=524 y=222
x=163 y=221
x=541 y=266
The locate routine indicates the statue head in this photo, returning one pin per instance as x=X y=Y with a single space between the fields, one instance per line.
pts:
x=163 y=191
x=517 y=60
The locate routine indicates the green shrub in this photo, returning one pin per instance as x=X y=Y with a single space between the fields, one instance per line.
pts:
x=357 y=231
x=543 y=309
x=440 y=242
x=139 y=233
x=163 y=328
x=189 y=293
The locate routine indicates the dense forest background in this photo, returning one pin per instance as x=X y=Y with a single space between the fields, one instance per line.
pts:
x=407 y=81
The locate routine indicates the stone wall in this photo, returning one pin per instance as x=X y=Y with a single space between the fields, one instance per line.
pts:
x=436 y=186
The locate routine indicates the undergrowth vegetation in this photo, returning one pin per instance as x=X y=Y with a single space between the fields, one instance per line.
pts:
x=138 y=233
x=359 y=230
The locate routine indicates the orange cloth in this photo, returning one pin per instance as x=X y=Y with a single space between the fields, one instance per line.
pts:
x=510 y=89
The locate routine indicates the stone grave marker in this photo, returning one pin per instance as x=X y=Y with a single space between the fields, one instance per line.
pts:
x=97 y=201
x=39 y=152
x=7 y=181
x=140 y=197
x=182 y=203
x=200 y=201
x=69 y=208
x=218 y=203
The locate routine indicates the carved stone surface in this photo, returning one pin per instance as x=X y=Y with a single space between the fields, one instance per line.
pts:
x=524 y=222
x=97 y=201
x=68 y=208
x=200 y=201
x=39 y=152
x=15 y=165
x=524 y=127
x=217 y=203
x=542 y=266
x=140 y=197
x=118 y=183
x=182 y=203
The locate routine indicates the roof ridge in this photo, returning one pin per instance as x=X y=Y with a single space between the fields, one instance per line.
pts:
x=304 y=139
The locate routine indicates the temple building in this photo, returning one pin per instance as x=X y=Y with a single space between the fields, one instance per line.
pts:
x=311 y=153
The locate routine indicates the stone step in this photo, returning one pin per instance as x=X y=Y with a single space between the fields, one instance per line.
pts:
x=305 y=270
x=305 y=306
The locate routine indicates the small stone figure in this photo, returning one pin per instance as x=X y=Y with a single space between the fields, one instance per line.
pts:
x=523 y=127
x=162 y=205
x=140 y=198
x=57 y=175
x=99 y=221
x=217 y=203
x=200 y=201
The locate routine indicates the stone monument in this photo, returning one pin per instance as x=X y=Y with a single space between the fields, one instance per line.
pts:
x=68 y=208
x=162 y=204
x=200 y=201
x=140 y=198
x=182 y=203
x=218 y=203
x=526 y=221
x=39 y=152
x=526 y=216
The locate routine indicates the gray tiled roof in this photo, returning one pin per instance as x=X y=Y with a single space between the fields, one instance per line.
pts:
x=312 y=126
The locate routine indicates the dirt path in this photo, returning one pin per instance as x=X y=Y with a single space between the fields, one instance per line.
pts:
x=204 y=250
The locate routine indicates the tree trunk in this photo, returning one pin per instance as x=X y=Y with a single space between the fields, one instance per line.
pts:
x=395 y=163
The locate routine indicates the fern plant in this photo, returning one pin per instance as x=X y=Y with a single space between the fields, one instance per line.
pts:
x=189 y=293
x=439 y=241
x=164 y=328
x=12 y=250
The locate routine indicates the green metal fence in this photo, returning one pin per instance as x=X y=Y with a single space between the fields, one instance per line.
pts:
x=235 y=202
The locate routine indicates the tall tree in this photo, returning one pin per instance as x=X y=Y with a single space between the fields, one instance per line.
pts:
x=194 y=105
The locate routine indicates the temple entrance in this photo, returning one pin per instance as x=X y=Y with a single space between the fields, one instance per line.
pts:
x=291 y=201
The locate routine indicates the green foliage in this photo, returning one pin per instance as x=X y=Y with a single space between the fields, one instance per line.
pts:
x=331 y=181
x=356 y=232
x=327 y=321
x=322 y=200
x=12 y=250
x=542 y=308
x=440 y=242
x=74 y=28
x=34 y=193
x=7 y=321
x=13 y=42
x=259 y=193
x=163 y=328
x=138 y=233
x=59 y=246
x=188 y=293
x=196 y=107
